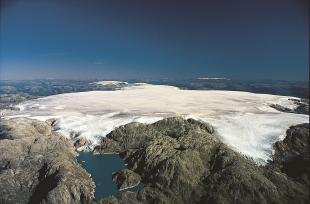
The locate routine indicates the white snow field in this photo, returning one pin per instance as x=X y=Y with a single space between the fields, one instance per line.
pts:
x=242 y=120
x=110 y=83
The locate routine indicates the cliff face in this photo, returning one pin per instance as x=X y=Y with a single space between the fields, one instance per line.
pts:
x=180 y=161
x=38 y=165
x=292 y=155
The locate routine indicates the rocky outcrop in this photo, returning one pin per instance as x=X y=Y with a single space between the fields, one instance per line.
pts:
x=126 y=179
x=80 y=142
x=137 y=135
x=7 y=101
x=180 y=161
x=302 y=107
x=38 y=165
x=292 y=155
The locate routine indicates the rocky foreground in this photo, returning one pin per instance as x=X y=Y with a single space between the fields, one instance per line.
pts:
x=38 y=165
x=178 y=161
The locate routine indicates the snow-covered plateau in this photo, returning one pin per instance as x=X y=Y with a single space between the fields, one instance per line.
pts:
x=242 y=120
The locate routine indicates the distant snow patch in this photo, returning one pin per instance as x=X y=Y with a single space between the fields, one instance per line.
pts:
x=110 y=83
x=212 y=78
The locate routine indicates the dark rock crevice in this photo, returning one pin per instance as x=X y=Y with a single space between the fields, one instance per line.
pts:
x=4 y=165
x=47 y=182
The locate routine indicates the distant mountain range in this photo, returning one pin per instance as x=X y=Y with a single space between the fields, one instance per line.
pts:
x=54 y=86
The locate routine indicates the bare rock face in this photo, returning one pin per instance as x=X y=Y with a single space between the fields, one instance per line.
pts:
x=292 y=155
x=38 y=165
x=180 y=161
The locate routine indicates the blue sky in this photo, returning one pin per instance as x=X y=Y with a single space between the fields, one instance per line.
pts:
x=82 y=39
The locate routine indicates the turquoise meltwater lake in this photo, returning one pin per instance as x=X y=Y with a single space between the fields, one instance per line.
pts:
x=101 y=167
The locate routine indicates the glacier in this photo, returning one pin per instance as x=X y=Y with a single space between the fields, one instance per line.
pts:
x=242 y=120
